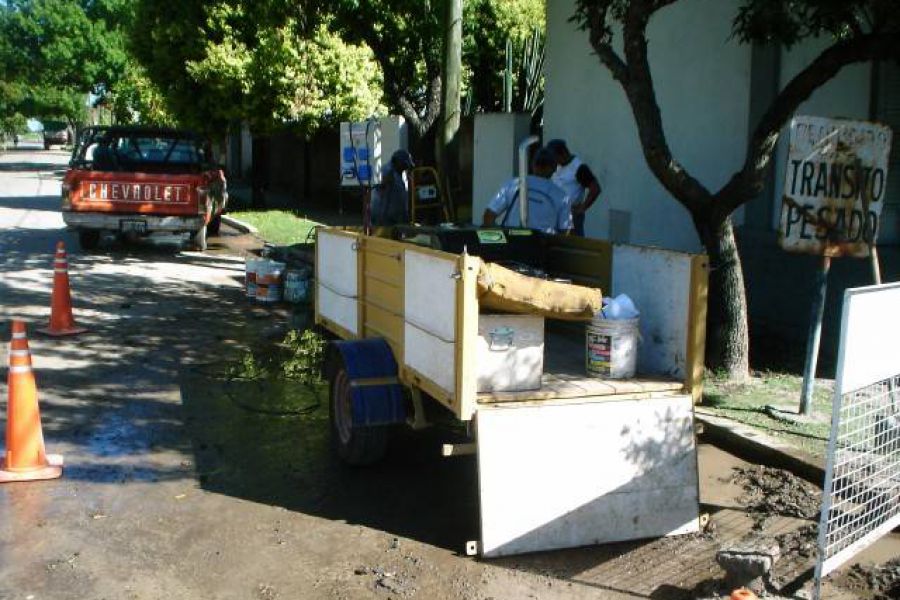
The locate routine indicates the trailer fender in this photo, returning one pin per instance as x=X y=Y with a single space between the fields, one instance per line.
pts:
x=377 y=394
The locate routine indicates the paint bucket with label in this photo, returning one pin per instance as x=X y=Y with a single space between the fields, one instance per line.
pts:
x=296 y=286
x=250 y=276
x=268 y=280
x=611 y=348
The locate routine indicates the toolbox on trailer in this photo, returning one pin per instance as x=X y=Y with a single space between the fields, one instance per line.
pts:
x=564 y=459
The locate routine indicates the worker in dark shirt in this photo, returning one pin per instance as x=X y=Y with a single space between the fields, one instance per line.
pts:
x=578 y=182
x=390 y=198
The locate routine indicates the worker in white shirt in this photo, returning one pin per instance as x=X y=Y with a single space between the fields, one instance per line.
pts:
x=548 y=208
x=577 y=181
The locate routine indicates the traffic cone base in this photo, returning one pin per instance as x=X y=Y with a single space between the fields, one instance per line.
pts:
x=61 y=332
x=53 y=470
x=24 y=458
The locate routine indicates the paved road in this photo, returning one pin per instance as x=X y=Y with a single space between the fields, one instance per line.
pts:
x=173 y=489
x=177 y=485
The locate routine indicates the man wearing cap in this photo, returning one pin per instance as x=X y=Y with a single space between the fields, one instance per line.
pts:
x=577 y=181
x=390 y=198
x=548 y=209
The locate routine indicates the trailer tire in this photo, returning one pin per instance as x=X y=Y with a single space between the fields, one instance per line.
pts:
x=357 y=446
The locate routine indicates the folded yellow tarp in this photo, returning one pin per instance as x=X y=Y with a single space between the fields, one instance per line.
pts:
x=501 y=289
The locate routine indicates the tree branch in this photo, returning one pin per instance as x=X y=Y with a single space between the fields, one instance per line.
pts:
x=411 y=115
x=600 y=38
x=642 y=97
x=747 y=183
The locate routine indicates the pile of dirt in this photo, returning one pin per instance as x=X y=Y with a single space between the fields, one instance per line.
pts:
x=769 y=492
x=799 y=543
x=875 y=582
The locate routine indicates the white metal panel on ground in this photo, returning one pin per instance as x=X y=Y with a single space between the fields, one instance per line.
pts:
x=862 y=474
x=659 y=282
x=337 y=263
x=429 y=330
x=870 y=337
x=339 y=309
x=560 y=476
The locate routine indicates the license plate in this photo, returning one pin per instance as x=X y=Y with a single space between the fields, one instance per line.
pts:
x=134 y=225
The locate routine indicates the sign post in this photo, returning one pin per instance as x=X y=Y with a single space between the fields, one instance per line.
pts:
x=833 y=193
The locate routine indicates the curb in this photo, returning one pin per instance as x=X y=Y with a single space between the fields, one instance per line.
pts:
x=752 y=445
x=239 y=225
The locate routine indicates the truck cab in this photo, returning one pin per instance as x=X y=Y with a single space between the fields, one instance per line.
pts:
x=137 y=181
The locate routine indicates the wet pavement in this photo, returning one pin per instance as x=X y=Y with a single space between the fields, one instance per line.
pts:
x=174 y=487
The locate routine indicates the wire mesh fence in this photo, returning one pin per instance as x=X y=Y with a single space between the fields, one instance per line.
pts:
x=862 y=483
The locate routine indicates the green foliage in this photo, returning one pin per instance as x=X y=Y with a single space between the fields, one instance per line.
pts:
x=297 y=358
x=53 y=53
x=488 y=26
x=778 y=21
x=405 y=36
x=235 y=60
x=526 y=68
x=305 y=352
x=136 y=99
x=790 y=22
x=276 y=226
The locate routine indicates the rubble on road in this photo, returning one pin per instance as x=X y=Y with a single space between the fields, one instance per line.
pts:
x=770 y=492
x=874 y=582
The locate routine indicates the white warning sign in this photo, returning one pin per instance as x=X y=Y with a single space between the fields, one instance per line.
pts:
x=834 y=186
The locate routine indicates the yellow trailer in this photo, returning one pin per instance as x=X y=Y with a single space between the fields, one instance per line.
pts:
x=574 y=460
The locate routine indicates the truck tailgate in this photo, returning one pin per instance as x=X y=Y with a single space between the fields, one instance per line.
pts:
x=157 y=194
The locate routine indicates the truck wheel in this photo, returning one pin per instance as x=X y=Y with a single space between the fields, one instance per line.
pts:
x=212 y=228
x=88 y=239
x=200 y=239
x=357 y=446
x=46 y=145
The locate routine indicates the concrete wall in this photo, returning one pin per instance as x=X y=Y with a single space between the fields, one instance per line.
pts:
x=496 y=138
x=703 y=86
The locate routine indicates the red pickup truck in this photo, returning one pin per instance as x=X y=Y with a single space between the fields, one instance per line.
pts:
x=138 y=180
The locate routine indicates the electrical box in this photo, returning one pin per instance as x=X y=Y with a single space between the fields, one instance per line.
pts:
x=367 y=146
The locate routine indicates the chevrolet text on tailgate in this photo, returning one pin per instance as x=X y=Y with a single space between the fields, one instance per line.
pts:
x=136 y=181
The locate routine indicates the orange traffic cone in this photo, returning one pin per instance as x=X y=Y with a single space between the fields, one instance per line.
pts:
x=25 y=458
x=61 y=320
x=743 y=594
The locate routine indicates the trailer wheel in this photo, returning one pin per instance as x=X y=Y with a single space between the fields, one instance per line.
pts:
x=358 y=446
x=88 y=239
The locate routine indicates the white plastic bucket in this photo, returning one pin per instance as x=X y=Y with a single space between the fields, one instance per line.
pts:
x=611 y=347
x=266 y=280
x=268 y=292
x=250 y=267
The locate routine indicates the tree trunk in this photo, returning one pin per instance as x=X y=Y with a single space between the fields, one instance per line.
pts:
x=727 y=342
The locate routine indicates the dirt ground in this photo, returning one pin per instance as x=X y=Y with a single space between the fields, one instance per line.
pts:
x=174 y=489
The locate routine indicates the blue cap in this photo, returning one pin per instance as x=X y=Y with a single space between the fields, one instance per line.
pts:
x=402 y=159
